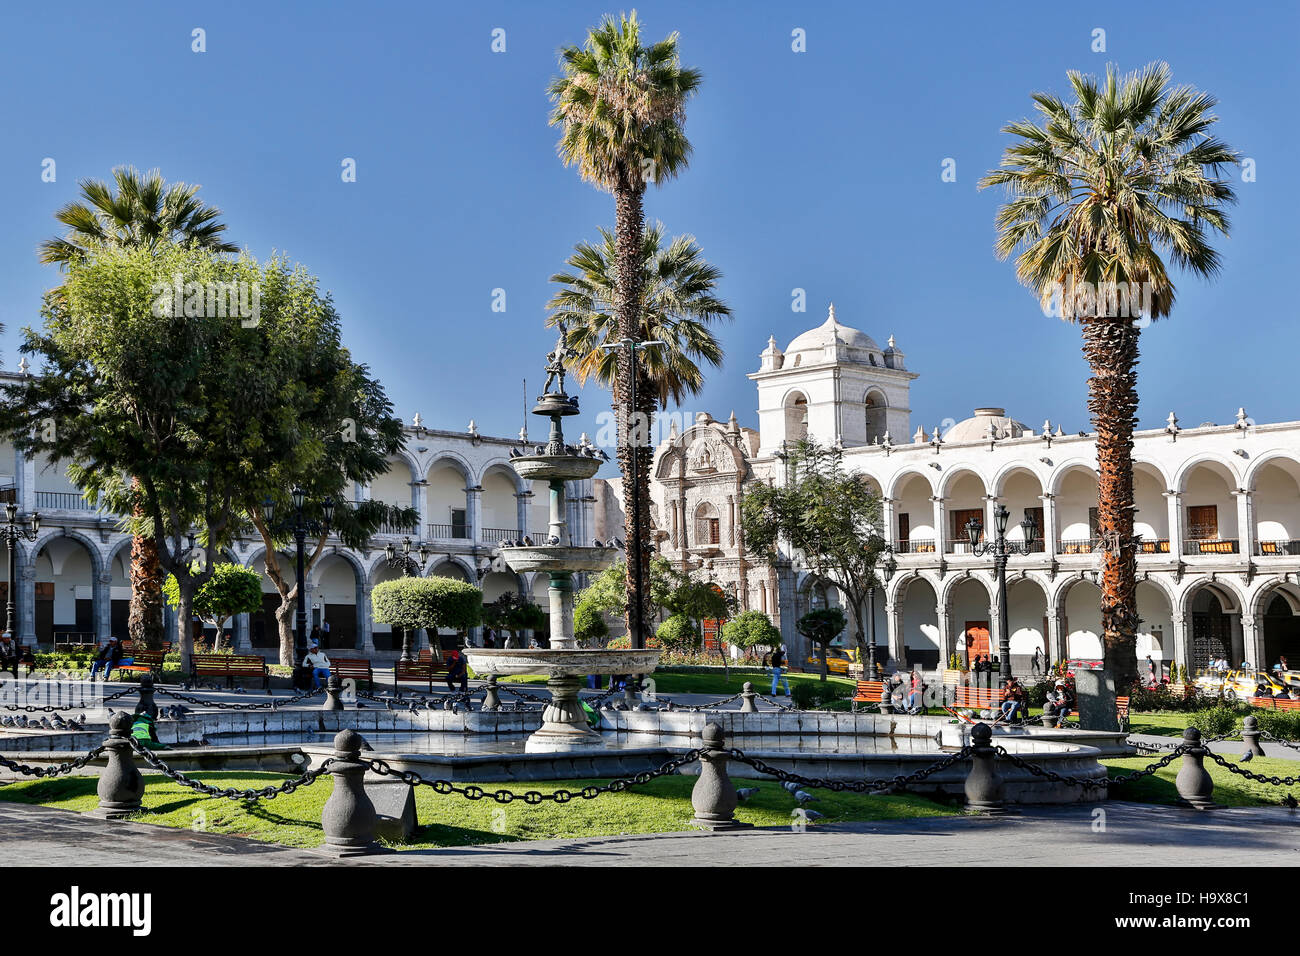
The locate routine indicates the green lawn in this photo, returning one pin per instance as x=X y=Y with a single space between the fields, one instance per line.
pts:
x=1164 y=723
x=1229 y=789
x=661 y=806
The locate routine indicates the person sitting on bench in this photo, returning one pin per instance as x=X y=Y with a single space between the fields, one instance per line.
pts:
x=109 y=656
x=8 y=653
x=1013 y=700
x=457 y=671
x=318 y=663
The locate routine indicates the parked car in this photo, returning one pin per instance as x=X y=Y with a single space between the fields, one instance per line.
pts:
x=1239 y=684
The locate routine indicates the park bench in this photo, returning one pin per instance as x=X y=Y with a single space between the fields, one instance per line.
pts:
x=231 y=666
x=1274 y=703
x=352 y=668
x=416 y=672
x=143 y=662
x=1121 y=713
x=976 y=698
x=869 y=692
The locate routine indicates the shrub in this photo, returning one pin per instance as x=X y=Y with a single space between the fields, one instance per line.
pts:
x=751 y=629
x=589 y=623
x=414 y=603
x=809 y=694
x=1037 y=692
x=1159 y=698
x=679 y=633
x=1213 y=721
x=1280 y=723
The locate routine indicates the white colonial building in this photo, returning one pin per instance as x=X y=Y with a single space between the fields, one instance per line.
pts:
x=74 y=585
x=1218 y=511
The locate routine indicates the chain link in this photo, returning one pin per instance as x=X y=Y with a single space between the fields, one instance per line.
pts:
x=1279 y=740
x=533 y=797
x=272 y=704
x=776 y=703
x=1241 y=771
x=54 y=771
x=898 y=782
x=523 y=695
x=230 y=793
x=51 y=708
x=1091 y=782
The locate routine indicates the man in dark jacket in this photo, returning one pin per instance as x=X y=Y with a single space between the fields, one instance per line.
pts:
x=108 y=658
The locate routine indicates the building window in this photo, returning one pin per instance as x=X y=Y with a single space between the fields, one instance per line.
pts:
x=961 y=517
x=904 y=530
x=458 y=526
x=715 y=530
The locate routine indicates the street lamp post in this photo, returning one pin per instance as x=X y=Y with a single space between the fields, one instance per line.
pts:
x=1001 y=549
x=13 y=532
x=890 y=566
x=638 y=534
x=410 y=568
x=300 y=527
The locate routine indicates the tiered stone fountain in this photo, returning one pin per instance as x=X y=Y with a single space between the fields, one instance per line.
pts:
x=564 y=724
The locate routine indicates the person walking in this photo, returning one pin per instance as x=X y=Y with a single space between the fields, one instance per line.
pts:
x=317 y=663
x=777 y=661
x=1036 y=663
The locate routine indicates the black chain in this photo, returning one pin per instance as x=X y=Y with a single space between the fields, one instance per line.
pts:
x=1098 y=782
x=776 y=703
x=1279 y=740
x=522 y=695
x=52 y=771
x=1241 y=771
x=272 y=704
x=898 y=782
x=51 y=708
x=709 y=706
x=533 y=797
x=230 y=793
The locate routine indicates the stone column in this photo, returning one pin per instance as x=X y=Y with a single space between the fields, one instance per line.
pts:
x=420 y=502
x=1245 y=525
x=1055 y=635
x=887 y=520
x=523 y=501
x=243 y=638
x=731 y=520
x=1252 y=640
x=365 y=620
x=25 y=482
x=26 y=600
x=1049 y=524
x=102 y=605
x=940 y=531
x=947 y=640
x=1174 y=501
x=1182 y=637
x=895 y=636
x=473 y=511
x=990 y=528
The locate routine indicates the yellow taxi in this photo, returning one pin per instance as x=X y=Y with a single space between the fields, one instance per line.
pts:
x=1239 y=684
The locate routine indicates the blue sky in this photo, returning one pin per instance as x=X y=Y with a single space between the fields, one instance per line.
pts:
x=817 y=170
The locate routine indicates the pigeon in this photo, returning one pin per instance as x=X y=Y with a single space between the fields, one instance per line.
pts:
x=618 y=543
x=516 y=453
x=361 y=706
x=790 y=785
x=803 y=796
x=388 y=704
x=6 y=721
x=20 y=720
x=75 y=725
x=45 y=723
x=602 y=454
x=812 y=815
x=58 y=722
x=745 y=793
x=240 y=690
x=528 y=542
x=596 y=542
x=81 y=718
x=1247 y=757
x=1290 y=801
x=553 y=540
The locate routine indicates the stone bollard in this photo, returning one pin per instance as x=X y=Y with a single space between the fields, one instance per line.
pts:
x=747 y=698
x=1049 y=716
x=630 y=688
x=147 y=704
x=1250 y=736
x=714 y=795
x=120 y=785
x=333 y=688
x=349 y=817
x=1194 y=784
x=491 y=699
x=984 y=785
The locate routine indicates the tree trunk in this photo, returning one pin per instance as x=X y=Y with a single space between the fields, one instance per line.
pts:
x=1111 y=348
x=284 y=620
x=145 y=621
x=629 y=224
x=184 y=628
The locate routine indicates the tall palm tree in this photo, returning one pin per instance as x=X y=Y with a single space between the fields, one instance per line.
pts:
x=678 y=304
x=621 y=107
x=143 y=210
x=1109 y=183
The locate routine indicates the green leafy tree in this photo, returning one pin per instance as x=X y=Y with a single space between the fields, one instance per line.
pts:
x=679 y=633
x=510 y=614
x=232 y=589
x=1107 y=184
x=751 y=629
x=621 y=107
x=411 y=604
x=197 y=406
x=821 y=627
x=830 y=517
x=140 y=210
x=589 y=625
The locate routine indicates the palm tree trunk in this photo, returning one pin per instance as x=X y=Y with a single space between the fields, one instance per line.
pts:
x=1111 y=348
x=629 y=224
x=145 y=620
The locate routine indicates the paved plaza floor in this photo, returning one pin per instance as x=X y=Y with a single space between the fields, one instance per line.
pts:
x=1121 y=835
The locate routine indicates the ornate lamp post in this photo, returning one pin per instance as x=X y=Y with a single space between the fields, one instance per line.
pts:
x=887 y=570
x=637 y=543
x=410 y=569
x=1001 y=549
x=300 y=527
x=13 y=532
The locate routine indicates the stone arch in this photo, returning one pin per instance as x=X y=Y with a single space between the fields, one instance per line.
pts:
x=1230 y=599
x=953 y=581
x=899 y=479
x=456 y=460
x=1263 y=459
x=997 y=484
x=1058 y=474
x=499 y=466
x=1204 y=460
x=956 y=471
x=876 y=412
x=795 y=407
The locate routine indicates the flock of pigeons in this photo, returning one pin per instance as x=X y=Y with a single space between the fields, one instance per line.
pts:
x=554 y=540
x=53 y=722
x=576 y=451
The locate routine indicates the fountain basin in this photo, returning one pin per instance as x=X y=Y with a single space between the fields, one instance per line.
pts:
x=557 y=662
x=556 y=467
x=558 y=557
